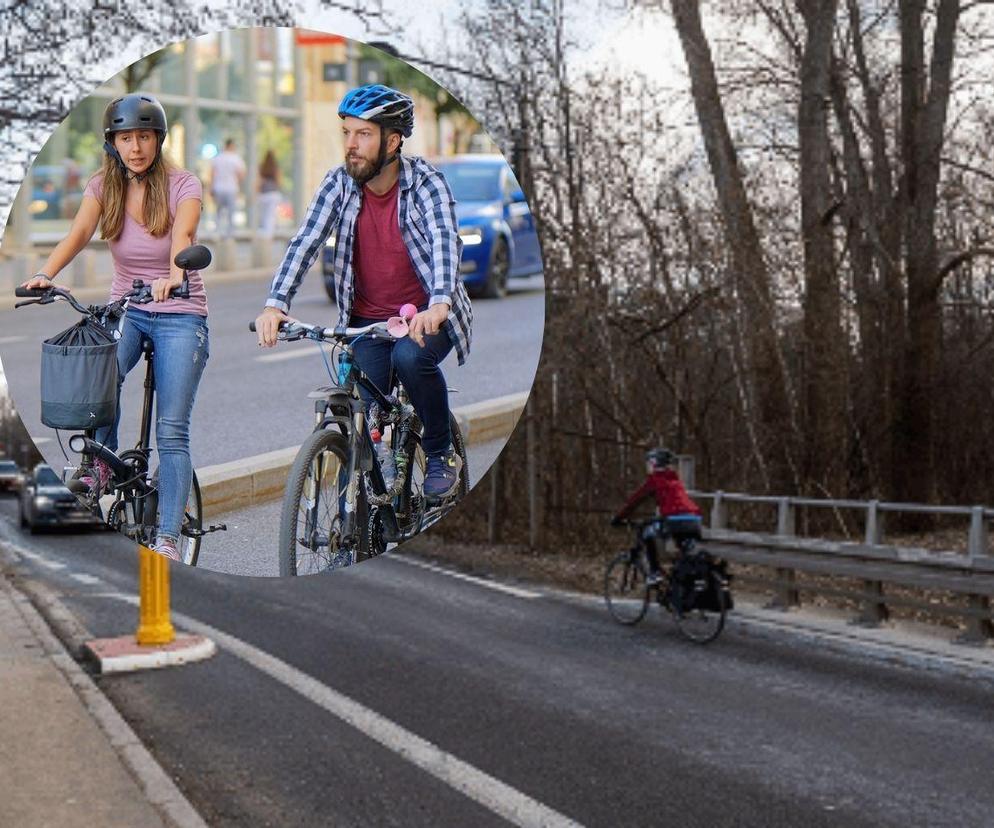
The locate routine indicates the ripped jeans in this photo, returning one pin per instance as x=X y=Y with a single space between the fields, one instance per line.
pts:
x=181 y=349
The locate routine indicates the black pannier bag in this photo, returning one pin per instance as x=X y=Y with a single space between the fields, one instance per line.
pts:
x=696 y=589
x=79 y=377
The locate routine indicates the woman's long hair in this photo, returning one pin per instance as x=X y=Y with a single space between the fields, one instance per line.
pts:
x=269 y=168
x=155 y=210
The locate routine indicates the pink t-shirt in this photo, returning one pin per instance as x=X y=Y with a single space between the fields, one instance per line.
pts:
x=139 y=255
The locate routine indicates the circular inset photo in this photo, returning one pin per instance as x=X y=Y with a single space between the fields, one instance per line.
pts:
x=279 y=304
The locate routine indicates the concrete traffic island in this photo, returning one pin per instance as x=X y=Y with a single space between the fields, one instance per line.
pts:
x=124 y=654
x=156 y=643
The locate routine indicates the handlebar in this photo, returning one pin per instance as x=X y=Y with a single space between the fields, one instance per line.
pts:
x=291 y=331
x=140 y=294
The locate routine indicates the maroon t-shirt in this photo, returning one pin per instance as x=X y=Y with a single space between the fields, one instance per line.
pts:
x=384 y=276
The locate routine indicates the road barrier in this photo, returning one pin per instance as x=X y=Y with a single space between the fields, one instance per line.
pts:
x=967 y=575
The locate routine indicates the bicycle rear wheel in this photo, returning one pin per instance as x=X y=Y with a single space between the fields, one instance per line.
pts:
x=703 y=624
x=625 y=590
x=310 y=538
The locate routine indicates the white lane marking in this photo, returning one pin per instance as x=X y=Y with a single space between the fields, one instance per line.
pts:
x=510 y=590
x=507 y=802
x=50 y=564
x=10 y=340
x=83 y=578
x=39 y=440
x=290 y=353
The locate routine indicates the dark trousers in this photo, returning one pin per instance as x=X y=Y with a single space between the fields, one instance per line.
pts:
x=419 y=371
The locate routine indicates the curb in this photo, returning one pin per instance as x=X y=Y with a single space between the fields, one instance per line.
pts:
x=262 y=478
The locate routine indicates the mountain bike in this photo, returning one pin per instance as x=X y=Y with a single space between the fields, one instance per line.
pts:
x=132 y=491
x=694 y=589
x=337 y=507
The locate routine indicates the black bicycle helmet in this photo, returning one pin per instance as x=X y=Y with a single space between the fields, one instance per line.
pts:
x=381 y=105
x=134 y=111
x=660 y=457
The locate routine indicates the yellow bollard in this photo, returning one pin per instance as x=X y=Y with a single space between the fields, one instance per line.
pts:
x=154 y=625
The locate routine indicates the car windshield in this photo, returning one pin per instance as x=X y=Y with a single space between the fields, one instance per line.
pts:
x=47 y=477
x=473 y=182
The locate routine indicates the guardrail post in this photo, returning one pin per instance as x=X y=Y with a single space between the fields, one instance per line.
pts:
x=874 y=608
x=154 y=624
x=719 y=513
x=979 y=627
x=786 y=594
x=874 y=524
x=977 y=546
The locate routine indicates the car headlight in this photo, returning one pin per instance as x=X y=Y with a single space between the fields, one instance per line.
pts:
x=471 y=235
x=43 y=502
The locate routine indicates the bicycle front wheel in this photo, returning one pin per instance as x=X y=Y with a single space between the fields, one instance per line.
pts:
x=625 y=590
x=310 y=538
x=704 y=622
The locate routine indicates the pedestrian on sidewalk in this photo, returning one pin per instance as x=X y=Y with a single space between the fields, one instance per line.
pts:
x=227 y=174
x=269 y=195
x=148 y=210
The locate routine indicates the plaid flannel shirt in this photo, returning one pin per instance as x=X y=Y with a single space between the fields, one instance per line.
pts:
x=428 y=227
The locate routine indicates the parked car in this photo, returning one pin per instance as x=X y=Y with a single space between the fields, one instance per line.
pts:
x=46 y=502
x=495 y=223
x=10 y=476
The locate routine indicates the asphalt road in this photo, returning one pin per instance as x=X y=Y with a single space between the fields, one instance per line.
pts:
x=393 y=694
x=252 y=401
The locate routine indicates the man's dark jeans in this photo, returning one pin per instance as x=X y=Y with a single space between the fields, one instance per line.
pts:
x=418 y=371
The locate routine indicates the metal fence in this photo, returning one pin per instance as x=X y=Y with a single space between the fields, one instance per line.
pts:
x=962 y=579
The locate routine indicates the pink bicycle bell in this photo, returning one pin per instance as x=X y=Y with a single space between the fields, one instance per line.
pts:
x=398 y=326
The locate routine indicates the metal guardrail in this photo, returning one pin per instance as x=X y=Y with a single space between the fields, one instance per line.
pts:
x=874 y=563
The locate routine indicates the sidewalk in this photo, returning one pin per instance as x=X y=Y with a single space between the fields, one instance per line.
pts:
x=67 y=758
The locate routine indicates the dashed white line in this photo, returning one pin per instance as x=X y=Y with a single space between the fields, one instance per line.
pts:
x=56 y=565
x=518 y=592
x=83 y=578
x=507 y=802
x=10 y=340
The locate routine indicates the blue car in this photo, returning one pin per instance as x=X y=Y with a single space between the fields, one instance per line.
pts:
x=496 y=226
x=495 y=223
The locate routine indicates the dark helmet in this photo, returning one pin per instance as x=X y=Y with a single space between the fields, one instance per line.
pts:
x=381 y=105
x=134 y=111
x=660 y=457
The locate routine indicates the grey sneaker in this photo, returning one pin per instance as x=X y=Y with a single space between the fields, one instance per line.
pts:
x=442 y=475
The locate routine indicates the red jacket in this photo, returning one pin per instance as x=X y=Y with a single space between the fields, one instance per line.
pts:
x=671 y=496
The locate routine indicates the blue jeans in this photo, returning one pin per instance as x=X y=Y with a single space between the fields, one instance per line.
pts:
x=181 y=349
x=418 y=370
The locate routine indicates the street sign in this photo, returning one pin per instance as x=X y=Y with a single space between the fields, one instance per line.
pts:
x=334 y=72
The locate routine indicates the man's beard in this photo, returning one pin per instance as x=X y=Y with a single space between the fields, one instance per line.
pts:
x=360 y=169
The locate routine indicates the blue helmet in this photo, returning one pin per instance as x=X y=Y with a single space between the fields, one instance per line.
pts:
x=381 y=105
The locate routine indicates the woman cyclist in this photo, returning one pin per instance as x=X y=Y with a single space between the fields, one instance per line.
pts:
x=148 y=211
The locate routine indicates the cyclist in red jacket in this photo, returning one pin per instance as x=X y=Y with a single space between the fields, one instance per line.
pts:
x=677 y=514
